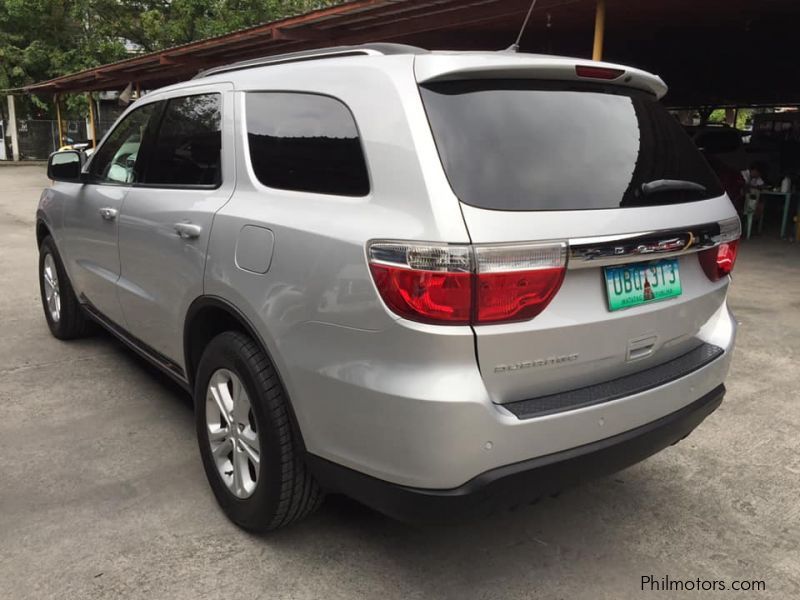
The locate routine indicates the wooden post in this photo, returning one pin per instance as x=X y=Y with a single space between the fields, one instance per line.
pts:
x=60 y=125
x=599 y=30
x=91 y=119
x=12 y=128
x=138 y=90
x=730 y=117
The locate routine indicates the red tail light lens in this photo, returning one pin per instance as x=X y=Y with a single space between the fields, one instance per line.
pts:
x=516 y=283
x=598 y=72
x=459 y=285
x=431 y=283
x=719 y=261
x=425 y=295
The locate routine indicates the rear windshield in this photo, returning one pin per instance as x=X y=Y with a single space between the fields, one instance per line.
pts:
x=533 y=145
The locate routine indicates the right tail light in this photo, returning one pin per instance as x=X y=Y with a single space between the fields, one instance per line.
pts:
x=462 y=284
x=717 y=262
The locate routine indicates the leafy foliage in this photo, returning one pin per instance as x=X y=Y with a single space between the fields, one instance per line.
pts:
x=744 y=117
x=42 y=39
x=157 y=24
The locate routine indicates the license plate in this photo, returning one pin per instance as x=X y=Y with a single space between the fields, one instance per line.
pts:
x=640 y=283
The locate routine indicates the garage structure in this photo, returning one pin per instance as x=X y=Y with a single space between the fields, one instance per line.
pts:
x=710 y=52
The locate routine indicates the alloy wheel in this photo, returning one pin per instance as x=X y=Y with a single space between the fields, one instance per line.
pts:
x=232 y=433
x=52 y=292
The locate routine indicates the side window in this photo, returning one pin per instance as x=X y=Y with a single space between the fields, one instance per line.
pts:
x=305 y=142
x=116 y=160
x=188 y=143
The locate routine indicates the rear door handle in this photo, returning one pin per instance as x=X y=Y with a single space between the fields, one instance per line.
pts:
x=109 y=214
x=188 y=231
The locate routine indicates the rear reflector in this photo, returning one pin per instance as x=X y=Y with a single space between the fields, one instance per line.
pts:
x=461 y=284
x=719 y=261
x=598 y=72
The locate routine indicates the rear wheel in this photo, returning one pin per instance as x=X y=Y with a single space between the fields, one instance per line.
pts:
x=250 y=453
x=63 y=312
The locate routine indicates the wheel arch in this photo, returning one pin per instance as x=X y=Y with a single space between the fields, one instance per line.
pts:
x=42 y=230
x=207 y=317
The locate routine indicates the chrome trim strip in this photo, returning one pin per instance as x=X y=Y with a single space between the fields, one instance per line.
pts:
x=612 y=250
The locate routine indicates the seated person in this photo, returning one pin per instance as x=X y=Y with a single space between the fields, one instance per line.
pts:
x=754 y=176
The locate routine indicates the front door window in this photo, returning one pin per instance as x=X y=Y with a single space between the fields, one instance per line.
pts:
x=116 y=160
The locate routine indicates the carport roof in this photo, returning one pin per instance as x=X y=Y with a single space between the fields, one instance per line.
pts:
x=709 y=51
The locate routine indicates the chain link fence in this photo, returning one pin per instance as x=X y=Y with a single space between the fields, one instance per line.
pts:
x=39 y=138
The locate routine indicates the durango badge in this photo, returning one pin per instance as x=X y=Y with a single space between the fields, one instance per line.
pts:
x=539 y=362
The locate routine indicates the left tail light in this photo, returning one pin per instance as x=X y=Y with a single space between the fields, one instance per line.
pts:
x=431 y=283
x=462 y=284
x=717 y=262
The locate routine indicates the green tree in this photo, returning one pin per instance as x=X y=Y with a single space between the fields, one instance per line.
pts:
x=744 y=117
x=41 y=39
x=158 y=24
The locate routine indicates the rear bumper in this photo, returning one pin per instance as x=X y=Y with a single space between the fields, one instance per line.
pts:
x=518 y=483
x=424 y=419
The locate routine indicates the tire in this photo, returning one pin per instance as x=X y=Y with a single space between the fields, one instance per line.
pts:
x=279 y=490
x=63 y=312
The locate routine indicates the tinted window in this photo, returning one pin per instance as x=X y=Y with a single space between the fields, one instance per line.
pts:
x=719 y=141
x=521 y=145
x=306 y=143
x=187 y=148
x=116 y=160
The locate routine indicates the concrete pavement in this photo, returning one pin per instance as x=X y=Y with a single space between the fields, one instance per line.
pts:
x=102 y=494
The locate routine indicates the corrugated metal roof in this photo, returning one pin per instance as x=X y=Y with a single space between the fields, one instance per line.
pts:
x=709 y=52
x=355 y=22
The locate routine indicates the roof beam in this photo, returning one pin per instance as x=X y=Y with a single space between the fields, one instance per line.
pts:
x=185 y=60
x=301 y=34
x=394 y=10
x=448 y=17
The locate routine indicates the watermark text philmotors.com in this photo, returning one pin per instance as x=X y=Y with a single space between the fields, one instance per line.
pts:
x=651 y=583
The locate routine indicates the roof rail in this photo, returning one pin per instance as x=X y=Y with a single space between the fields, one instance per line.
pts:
x=319 y=53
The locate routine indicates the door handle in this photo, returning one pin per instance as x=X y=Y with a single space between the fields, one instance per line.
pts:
x=188 y=231
x=109 y=214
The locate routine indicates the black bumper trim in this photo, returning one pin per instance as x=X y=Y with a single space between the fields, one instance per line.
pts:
x=615 y=389
x=517 y=483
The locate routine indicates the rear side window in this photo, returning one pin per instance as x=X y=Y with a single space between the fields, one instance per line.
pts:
x=187 y=148
x=305 y=143
x=532 y=145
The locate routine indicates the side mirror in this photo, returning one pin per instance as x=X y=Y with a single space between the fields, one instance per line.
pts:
x=65 y=165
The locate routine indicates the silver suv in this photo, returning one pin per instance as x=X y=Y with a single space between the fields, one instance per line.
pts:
x=438 y=282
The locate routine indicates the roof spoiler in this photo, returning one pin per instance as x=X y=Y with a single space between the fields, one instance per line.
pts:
x=449 y=66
